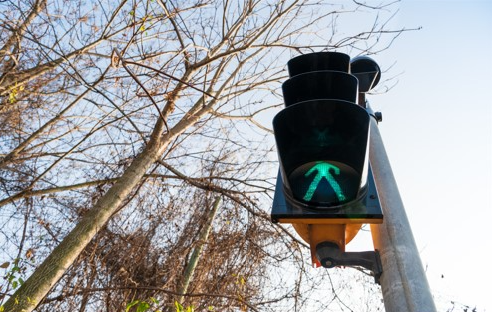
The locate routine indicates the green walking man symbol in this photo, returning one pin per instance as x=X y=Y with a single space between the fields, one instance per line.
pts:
x=323 y=169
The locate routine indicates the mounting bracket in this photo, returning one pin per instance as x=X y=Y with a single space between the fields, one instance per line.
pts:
x=330 y=256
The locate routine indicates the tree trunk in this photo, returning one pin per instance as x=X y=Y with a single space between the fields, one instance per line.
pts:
x=195 y=256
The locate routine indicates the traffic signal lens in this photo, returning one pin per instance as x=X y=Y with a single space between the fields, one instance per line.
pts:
x=327 y=183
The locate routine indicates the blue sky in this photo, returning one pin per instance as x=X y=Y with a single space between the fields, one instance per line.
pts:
x=437 y=128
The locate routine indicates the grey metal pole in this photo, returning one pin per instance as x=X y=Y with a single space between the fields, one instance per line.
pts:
x=403 y=282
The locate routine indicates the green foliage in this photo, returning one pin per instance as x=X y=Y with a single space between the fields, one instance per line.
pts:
x=142 y=305
x=13 y=273
x=180 y=308
x=14 y=91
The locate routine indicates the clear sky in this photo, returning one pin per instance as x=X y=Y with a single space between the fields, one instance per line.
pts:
x=437 y=128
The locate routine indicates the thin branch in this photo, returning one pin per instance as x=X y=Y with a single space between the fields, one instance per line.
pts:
x=123 y=62
x=172 y=77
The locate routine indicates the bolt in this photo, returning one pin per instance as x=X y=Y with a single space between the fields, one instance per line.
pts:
x=378 y=116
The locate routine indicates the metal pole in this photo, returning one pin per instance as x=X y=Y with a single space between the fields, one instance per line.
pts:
x=403 y=282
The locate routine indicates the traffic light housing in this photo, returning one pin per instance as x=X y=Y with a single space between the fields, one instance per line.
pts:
x=325 y=186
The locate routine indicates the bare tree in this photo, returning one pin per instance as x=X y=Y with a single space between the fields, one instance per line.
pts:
x=120 y=122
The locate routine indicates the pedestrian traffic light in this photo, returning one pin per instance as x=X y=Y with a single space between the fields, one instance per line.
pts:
x=325 y=186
